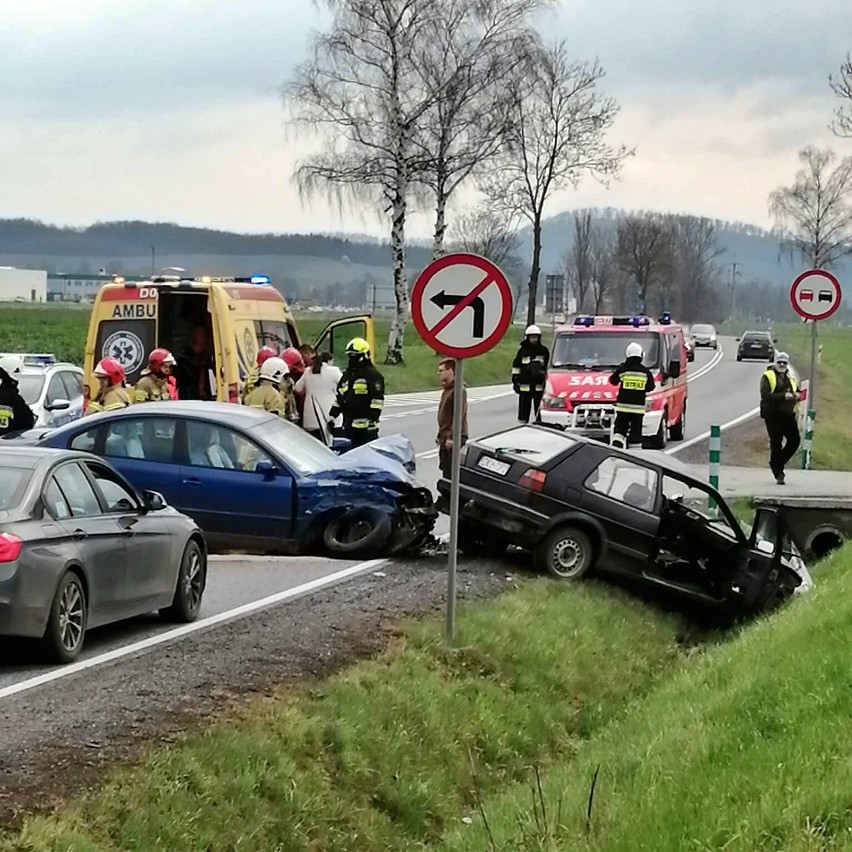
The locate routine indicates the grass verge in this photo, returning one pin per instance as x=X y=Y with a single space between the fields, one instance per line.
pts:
x=62 y=330
x=832 y=448
x=381 y=756
x=747 y=749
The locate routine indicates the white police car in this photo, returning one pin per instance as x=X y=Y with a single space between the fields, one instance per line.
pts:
x=53 y=390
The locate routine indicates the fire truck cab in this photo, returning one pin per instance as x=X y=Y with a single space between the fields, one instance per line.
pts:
x=578 y=396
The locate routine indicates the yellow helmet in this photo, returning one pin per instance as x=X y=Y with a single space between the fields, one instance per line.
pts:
x=357 y=346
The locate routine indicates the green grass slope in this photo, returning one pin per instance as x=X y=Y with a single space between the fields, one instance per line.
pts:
x=749 y=748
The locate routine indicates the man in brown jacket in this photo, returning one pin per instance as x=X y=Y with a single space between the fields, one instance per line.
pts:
x=447 y=377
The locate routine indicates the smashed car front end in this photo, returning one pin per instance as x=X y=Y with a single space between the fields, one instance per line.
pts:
x=380 y=477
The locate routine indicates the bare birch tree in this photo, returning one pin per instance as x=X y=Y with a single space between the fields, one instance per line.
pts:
x=841 y=85
x=643 y=252
x=362 y=87
x=556 y=135
x=465 y=62
x=814 y=215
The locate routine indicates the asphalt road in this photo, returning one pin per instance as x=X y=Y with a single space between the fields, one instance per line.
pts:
x=720 y=391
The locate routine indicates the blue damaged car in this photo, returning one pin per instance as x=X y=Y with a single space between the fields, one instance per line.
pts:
x=254 y=482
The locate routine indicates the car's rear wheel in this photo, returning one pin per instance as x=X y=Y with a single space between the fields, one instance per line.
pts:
x=66 y=623
x=739 y=357
x=566 y=553
x=191 y=580
x=358 y=532
x=474 y=542
x=658 y=441
x=677 y=431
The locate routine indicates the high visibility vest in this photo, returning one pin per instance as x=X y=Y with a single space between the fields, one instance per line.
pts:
x=772 y=378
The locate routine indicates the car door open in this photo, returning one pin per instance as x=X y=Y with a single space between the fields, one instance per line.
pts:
x=338 y=333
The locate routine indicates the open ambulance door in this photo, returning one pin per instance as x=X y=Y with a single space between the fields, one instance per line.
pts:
x=225 y=383
x=338 y=333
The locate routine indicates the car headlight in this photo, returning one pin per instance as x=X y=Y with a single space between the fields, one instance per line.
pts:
x=554 y=402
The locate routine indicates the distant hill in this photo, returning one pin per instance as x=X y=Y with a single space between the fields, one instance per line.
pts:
x=327 y=268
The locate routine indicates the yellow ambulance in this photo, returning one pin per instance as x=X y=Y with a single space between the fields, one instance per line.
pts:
x=213 y=326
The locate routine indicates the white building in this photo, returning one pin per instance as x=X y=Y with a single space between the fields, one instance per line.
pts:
x=22 y=285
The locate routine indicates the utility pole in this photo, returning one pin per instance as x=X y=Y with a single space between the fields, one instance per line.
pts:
x=153 y=256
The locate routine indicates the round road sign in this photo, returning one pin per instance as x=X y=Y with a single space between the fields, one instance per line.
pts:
x=815 y=294
x=461 y=305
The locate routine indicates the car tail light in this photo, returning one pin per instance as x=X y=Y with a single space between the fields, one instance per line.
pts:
x=233 y=393
x=533 y=479
x=10 y=547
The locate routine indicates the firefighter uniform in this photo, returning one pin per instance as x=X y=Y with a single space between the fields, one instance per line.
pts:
x=360 y=397
x=779 y=393
x=112 y=399
x=151 y=388
x=267 y=398
x=529 y=371
x=635 y=382
x=15 y=414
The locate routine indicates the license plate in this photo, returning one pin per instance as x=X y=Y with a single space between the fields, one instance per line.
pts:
x=487 y=463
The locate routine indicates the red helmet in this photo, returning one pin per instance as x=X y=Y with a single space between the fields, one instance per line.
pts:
x=293 y=359
x=159 y=357
x=109 y=368
x=264 y=353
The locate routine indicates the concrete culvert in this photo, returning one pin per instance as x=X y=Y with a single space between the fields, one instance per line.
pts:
x=823 y=541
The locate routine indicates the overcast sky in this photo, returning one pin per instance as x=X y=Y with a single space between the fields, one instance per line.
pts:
x=169 y=111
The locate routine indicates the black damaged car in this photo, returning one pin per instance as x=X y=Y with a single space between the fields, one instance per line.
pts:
x=578 y=505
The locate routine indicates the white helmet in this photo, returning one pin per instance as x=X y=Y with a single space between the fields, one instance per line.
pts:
x=634 y=350
x=12 y=364
x=532 y=330
x=274 y=369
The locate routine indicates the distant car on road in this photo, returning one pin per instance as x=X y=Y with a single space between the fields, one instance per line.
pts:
x=704 y=335
x=253 y=481
x=756 y=344
x=52 y=389
x=579 y=505
x=80 y=547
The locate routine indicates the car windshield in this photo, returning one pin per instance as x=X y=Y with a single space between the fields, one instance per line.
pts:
x=537 y=446
x=597 y=350
x=300 y=450
x=30 y=385
x=13 y=484
x=703 y=329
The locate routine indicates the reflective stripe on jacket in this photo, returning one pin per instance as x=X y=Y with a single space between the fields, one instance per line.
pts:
x=634 y=382
x=114 y=398
x=150 y=388
x=773 y=390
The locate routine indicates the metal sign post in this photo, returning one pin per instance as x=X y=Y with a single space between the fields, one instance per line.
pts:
x=455 y=476
x=461 y=304
x=815 y=295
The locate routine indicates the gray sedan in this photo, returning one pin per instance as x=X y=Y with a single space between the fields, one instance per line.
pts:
x=79 y=547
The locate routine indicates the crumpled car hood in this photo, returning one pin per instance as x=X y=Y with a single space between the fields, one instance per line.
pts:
x=390 y=459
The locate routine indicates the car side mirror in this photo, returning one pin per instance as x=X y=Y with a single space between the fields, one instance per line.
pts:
x=267 y=468
x=153 y=501
x=774 y=339
x=58 y=405
x=674 y=369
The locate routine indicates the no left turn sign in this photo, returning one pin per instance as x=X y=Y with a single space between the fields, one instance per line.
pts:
x=461 y=305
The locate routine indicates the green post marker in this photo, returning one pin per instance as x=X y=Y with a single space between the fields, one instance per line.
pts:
x=715 y=454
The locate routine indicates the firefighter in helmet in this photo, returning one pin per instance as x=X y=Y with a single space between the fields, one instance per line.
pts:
x=111 y=394
x=529 y=370
x=154 y=385
x=360 y=394
x=635 y=381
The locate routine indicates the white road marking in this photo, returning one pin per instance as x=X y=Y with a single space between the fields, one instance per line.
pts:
x=705 y=435
x=713 y=362
x=187 y=629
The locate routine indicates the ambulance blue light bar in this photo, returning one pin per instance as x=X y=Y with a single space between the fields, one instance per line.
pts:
x=584 y=320
x=33 y=359
x=665 y=318
x=260 y=279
